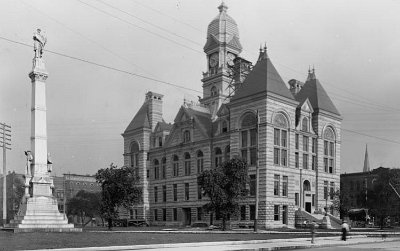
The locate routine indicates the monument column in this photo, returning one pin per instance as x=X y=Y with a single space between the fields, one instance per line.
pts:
x=38 y=210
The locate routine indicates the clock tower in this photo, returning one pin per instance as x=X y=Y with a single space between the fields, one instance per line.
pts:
x=221 y=48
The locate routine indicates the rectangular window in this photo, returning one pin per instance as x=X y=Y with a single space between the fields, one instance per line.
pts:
x=147 y=173
x=244 y=138
x=199 y=213
x=325 y=190
x=164 y=193
x=155 y=194
x=276 y=156
x=243 y=212
x=296 y=141
x=174 y=214
x=176 y=169
x=326 y=165
x=314 y=162
x=326 y=148
x=276 y=137
x=283 y=157
x=296 y=160
x=164 y=214
x=155 y=215
x=331 y=149
x=305 y=161
x=199 y=192
x=253 y=156
x=332 y=190
x=252 y=212
x=330 y=165
x=276 y=184
x=314 y=145
x=200 y=165
x=156 y=173
x=253 y=181
x=305 y=143
x=296 y=199
x=313 y=200
x=285 y=182
x=253 y=137
x=187 y=167
x=284 y=139
x=164 y=171
x=186 y=191
x=276 y=212
x=244 y=155
x=175 y=191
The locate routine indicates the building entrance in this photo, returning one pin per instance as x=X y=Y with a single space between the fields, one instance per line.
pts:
x=308 y=207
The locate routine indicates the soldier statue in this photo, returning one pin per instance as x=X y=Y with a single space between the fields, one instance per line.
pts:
x=39 y=41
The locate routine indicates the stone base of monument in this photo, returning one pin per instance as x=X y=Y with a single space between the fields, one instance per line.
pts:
x=326 y=223
x=40 y=214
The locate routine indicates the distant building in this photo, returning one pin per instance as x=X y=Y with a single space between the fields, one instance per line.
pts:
x=244 y=110
x=65 y=187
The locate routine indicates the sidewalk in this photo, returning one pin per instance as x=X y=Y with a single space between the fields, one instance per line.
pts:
x=276 y=244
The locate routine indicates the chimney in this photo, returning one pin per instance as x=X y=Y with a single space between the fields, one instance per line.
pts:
x=154 y=101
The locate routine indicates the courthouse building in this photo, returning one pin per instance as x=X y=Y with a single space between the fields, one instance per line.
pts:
x=297 y=141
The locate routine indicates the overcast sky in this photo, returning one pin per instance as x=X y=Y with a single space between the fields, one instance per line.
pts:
x=354 y=46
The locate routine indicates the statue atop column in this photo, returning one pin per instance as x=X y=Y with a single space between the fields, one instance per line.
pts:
x=39 y=41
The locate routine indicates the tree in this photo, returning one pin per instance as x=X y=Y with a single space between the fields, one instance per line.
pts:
x=341 y=202
x=84 y=204
x=225 y=185
x=119 y=188
x=382 y=196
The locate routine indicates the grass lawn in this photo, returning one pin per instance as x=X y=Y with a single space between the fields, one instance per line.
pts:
x=11 y=241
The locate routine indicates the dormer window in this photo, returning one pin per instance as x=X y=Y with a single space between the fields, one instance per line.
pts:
x=186 y=136
x=160 y=141
x=304 y=125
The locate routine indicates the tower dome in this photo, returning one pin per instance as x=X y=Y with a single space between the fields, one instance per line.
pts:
x=222 y=29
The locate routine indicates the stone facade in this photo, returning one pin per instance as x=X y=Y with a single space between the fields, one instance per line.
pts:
x=294 y=136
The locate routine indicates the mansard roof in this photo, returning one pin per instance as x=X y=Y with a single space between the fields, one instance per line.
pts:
x=317 y=95
x=263 y=78
x=141 y=119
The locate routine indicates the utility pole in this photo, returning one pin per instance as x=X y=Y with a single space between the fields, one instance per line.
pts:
x=257 y=175
x=5 y=140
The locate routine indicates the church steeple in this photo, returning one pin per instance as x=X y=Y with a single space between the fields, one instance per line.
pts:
x=366 y=160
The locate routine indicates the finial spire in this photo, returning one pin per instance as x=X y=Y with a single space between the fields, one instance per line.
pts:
x=311 y=73
x=223 y=7
x=263 y=53
x=366 y=160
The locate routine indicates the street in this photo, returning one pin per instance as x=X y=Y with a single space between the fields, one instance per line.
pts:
x=389 y=245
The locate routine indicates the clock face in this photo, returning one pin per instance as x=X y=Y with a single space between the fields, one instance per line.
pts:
x=213 y=60
x=230 y=58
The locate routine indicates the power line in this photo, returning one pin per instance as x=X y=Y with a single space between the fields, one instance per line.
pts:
x=85 y=37
x=140 y=27
x=149 y=23
x=372 y=136
x=104 y=66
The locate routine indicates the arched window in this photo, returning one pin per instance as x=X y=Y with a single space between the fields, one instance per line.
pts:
x=186 y=136
x=306 y=186
x=218 y=156
x=175 y=164
x=248 y=135
x=280 y=140
x=134 y=154
x=187 y=164
x=224 y=126
x=156 y=169
x=329 y=150
x=200 y=162
x=227 y=153
x=214 y=91
x=160 y=141
x=164 y=168
x=304 y=125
